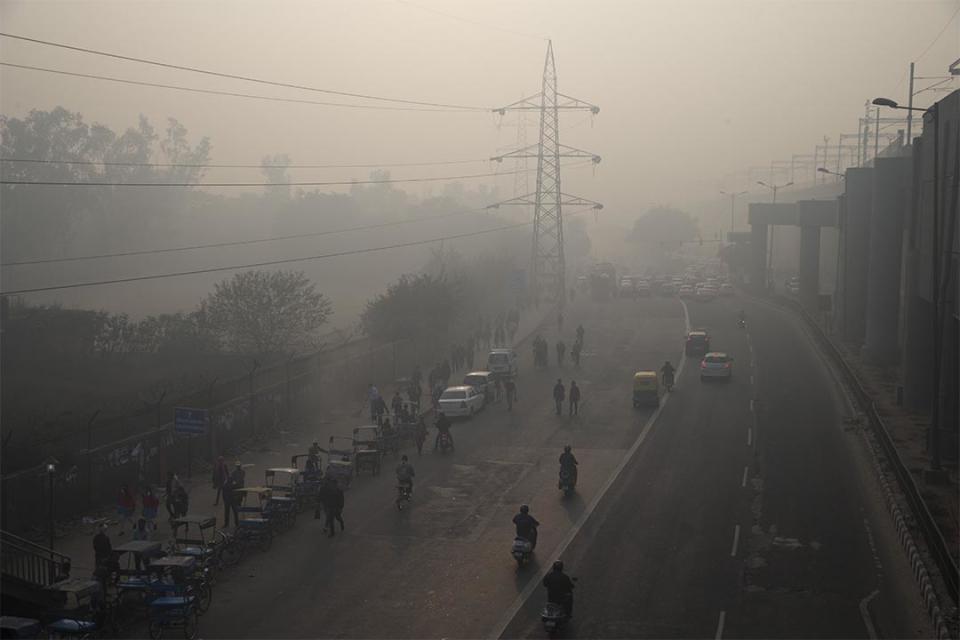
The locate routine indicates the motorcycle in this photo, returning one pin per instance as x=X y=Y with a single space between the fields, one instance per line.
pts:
x=568 y=482
x=521 y=551
x=404 y=493
x=742 y=323
x=554 y=617
x=445 y=443
x=668 y=382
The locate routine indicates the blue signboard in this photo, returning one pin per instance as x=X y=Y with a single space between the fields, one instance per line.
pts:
x=191 y=421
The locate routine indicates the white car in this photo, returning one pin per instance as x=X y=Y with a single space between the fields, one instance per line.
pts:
x=726 y=289
x=461 y=401
x=716 y=364
x=502 y=362
x=686 y=291
x=706 y=293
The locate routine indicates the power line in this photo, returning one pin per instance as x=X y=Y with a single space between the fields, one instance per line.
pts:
x=162 y=165
x=232 y=76
x=232 y=94
x=236 y=243
x=939 y=35
x=44 y=183
x=158 y=276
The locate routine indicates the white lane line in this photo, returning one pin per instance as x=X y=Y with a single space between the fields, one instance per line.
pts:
x=723 y=618
x=865 y=614
x=534 y=583
x=743 y=482
x=736 y=541
x=751 y=379
x=749 y=436
x=751 y=404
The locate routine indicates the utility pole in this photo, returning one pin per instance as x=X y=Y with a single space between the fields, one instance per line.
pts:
x=733 y=199
x=548 y=264
x=876 y=138
x=910 y=106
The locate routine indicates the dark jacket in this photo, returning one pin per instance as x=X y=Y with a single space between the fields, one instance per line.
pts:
x=559 y=586
x=526 y=524
x=558 y=391
x=568 y=460
x=574 y=393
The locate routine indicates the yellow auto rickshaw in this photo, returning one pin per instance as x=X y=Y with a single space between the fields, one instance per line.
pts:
x=646 y=389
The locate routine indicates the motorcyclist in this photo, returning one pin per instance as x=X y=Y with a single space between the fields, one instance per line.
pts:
x=580 y=332
x=568 y=464
x=526 y=526
x=405 y=473
x=742 y=318
x=559 y=588
x=443 y=428
x=668 y=372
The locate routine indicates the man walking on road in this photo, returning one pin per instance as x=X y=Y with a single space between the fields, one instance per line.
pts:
x=574 y=398
x=331 y=497
x=559 y=393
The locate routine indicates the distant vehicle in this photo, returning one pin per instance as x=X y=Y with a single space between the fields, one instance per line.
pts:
x=482 y=381
x=726 y=289
x=698 y=343
x=716 y=364
x=642 y=289
x=461 y=401
x=603 y=281
x=686 y=291
x=793 y=285
x=626 y=289
x=668 y=289
x=706 y=294
x=503 y=362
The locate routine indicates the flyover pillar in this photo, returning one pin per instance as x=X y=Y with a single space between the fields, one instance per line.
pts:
x=889 y=201
x=758 y=257
x=809 y=267
x=855 y=246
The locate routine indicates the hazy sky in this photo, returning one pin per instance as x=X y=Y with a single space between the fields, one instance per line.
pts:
x=689 y=91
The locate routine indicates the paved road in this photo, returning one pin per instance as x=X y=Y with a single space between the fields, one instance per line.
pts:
x=443 y=568
x=749 y=511
x=660 y=556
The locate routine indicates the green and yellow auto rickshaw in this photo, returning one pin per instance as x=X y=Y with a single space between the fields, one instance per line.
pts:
x=646 y=389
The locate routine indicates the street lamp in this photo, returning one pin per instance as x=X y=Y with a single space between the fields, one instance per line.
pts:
x=832 y=173
x=733 y=198
x=933 y=436
x=774 y=187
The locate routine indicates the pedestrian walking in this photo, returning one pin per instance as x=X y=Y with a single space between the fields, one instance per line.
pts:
x=373 y=396
x=102 y=549
x=510 y=388
x=151 y=505
x=331 y=498
x=168 y=495
x=574 y=398
x=231 y=501
x=559 y=393
x=421 y=435
x=561 y=350
x=220 y=474
x=575 y=353
x=126 y=504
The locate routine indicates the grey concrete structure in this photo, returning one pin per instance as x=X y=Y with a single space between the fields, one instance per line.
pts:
x=762 y=216
x=891 y=188
x=855 y=243
x=812 y=217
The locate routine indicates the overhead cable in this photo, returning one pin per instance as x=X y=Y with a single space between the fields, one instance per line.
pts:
x=188 y=165
x=233 y=94
x=266 y=263
x=233 y=76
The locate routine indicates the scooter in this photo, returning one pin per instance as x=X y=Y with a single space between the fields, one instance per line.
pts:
x=742 y=323
x=568 y=482
x=554 y=617
x=404 y=493
x=668 y=381
x=445 y=443
x=521 y=551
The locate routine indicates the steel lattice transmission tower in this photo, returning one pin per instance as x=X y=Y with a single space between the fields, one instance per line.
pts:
x=548 y=266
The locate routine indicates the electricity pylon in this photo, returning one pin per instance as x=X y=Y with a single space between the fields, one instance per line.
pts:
x=548 y=268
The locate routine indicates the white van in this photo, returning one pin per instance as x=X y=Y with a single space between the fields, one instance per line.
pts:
x=502 y=362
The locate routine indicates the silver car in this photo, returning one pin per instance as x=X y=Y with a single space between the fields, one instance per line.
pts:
x=716 y=364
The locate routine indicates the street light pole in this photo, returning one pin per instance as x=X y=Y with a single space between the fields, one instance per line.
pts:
x=910 y=106
x=733 y=198
x=51 y=470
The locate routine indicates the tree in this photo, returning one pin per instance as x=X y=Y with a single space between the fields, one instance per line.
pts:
x=664 y=226
x=264 y=312
x=413 y=307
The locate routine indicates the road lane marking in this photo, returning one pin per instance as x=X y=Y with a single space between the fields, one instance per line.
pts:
x=534 y=583
x=736 y=541
x=865 y=614
x=749 y=436
x=751 y=404
x=751 y=378
x=743 y=482
x=719 y=634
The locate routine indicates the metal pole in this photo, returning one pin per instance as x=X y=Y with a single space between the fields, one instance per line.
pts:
x=50 y=476
x=910 y=107
x=839 y=153
x=876 y=138
x=935 y=297
x=859 y=138
x=733 y=197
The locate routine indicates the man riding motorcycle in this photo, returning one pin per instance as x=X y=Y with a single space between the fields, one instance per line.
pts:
x=559 y=588
x=526 y=526
x=667 y=371
x=568 y=465
x=443 y=429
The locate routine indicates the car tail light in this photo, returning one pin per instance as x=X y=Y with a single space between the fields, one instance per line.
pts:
x=703 y=364
x=726 y=365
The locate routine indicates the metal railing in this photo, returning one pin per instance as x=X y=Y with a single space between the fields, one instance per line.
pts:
x=31 y=562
